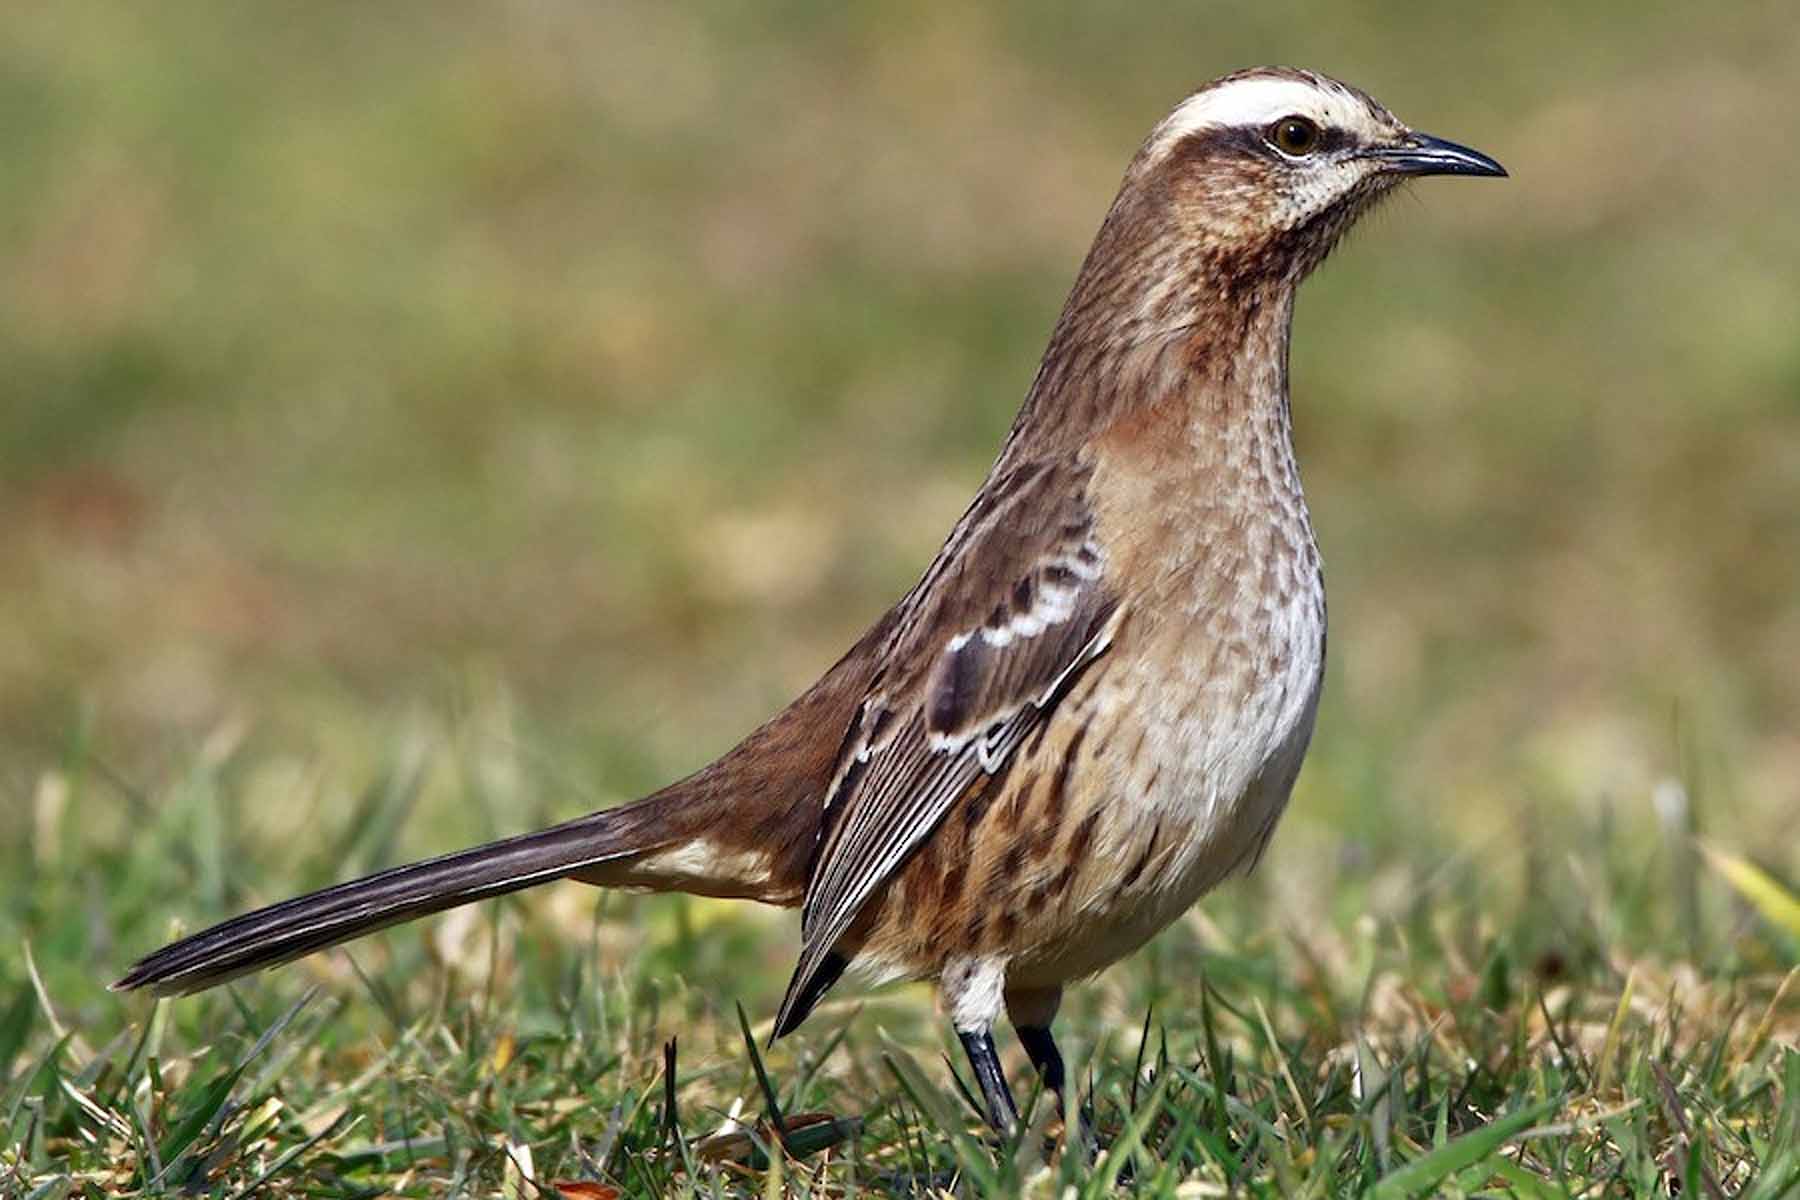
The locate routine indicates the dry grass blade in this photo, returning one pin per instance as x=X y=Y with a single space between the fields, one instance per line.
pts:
x=1773 y=901
x=1687 y=1149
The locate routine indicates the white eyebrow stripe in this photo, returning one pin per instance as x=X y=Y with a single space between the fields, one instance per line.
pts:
x=1259 y=101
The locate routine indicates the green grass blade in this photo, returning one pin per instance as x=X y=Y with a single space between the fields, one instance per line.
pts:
x=1424 y=1172
x=932 y=1104
x=776 y=1121
x=1779 y=1179
x=1525 y=1184
x=15 y=1026
x=1121 y=1151
x=210 y=1099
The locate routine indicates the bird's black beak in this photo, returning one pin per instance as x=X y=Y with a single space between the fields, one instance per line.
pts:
x=1422 y=154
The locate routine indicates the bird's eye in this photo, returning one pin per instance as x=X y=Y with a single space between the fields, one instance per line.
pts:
x=1294 y=136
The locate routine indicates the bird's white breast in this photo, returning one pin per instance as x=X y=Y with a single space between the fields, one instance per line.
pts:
x=1230 y=727
x=1227 y=721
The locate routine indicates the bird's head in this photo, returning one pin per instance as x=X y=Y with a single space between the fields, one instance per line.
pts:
x=1233 y=199
x=1272 y=165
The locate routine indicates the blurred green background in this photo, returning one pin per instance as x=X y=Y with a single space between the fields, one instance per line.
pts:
x=422 y=421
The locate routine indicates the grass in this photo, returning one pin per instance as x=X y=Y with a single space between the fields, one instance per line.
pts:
x=422 y=423
x=1460 y=1043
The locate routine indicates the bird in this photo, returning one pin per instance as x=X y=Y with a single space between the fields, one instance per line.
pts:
x=1092 y=707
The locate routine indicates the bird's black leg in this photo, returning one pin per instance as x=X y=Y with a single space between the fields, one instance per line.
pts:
x=1032 y=1010
x=1041 y=1048
x=1048 y=1060
x=1003 y=1114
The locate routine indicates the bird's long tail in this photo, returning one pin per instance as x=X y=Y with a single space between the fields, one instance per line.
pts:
x=269 y=936
x=744 y=826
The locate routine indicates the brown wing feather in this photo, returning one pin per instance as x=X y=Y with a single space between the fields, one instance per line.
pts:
x=1015 y=605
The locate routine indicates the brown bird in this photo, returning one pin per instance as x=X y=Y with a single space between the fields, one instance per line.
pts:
x=1091 y=708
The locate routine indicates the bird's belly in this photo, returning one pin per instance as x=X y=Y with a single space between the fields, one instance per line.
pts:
x=1193 y=804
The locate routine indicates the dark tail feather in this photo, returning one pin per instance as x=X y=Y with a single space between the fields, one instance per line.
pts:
x=799 y=1001
x=292 y=928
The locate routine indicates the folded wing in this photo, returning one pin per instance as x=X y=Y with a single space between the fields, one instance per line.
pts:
x=1014 y=608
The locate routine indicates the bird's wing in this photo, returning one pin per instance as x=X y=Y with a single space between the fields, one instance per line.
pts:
x=1015 y=606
